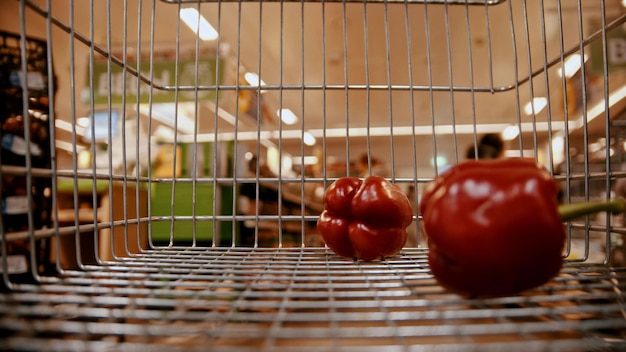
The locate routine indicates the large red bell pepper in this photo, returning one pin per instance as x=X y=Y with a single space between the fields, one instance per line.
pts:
x=494 y=226
x=365 y=219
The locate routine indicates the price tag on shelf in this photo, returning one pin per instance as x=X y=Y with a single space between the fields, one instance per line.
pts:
x=15 y=205
x=16 y=264
x=35 y=80
x=17 y=145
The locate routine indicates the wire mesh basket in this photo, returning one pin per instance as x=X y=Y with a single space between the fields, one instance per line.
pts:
x=162 y=177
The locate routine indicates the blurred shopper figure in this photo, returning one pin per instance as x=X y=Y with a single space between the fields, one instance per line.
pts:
x=378 y=167
x=490 y=146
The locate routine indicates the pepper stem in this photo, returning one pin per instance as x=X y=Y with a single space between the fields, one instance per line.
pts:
x=574 y=210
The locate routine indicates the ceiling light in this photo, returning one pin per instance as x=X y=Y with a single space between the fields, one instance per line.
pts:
x=595 y=147
x=308 y=139
x=254 y=80
x=510 y=133
x=439 y=161
x=287 y=116
x=171 y=115
x=535 y=106
x=164 y=133
x=82 y=121
x=305 y=160
x=516 y=153
x=265 y=136
x=198 y=24
x=571 y=65
x=558 y=149
x=66 y=126
x=599 y=108
x=68 y=147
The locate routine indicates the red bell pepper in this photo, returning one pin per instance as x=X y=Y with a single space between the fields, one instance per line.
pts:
x=494 y=226
x=365 y=219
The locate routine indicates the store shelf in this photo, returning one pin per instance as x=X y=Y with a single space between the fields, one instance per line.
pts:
x=289 y=299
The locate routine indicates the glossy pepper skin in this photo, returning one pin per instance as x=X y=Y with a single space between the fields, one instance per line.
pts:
x=493 y=227
x=365 y=219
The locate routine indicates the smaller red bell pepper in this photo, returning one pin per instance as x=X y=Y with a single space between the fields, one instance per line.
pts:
x=494 y=227
x=365 y=219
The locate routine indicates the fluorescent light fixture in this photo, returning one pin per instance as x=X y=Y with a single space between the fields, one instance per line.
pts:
x=558 y=149
x=554 y=126
x=171 y=115
x=164 y=133
x=308 y=139
x=254 y=80
x=66 y=126
x=571 y=65
x=287 y=116
x=68 y=147
x=599 y=108
x=266 y=136
x=198 y=24
x=516 y=153
x=439 y=160
x=510 y=133
x=595 y=147
x=535 y=106
x=307 y=160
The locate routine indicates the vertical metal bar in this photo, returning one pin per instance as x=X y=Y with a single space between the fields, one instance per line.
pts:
x=258 y=131
x=138 y=149
x=531 y=87
x=28 y=153
x=175 y=144
x=324 y=160
x=235 y=184
x=94 y=186
x=451 y=79
x=568 y=175
x=607 y=126
x=194 y=164
x=302 y=98
x=150 y=98
x=280 y=125
x=368 y=103
x=346 y=78
x=468 y=27
x=583 y=74
x=110 y=125
x=124 y=146
x=547 y=87
x=52 y=89
x=413 y=184
x=489 y=51
x=214 y=169
x=72 y=68
x=258 y=175
x=431 y=98
x=390 y=89
x=516 y=70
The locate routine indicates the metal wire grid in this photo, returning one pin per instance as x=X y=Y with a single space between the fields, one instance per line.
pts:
x=191 y=297
x=288 y=299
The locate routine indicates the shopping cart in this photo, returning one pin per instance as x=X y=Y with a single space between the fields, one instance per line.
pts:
x=152 y=199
